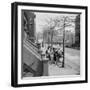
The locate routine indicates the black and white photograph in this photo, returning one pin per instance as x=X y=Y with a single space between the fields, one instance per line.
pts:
x=51 y=44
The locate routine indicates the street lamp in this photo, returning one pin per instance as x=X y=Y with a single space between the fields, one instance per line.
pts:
x=63 y=44
x=63 y=63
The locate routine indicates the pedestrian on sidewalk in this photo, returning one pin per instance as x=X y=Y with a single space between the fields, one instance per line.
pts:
x=52 y=56
x=48 y=53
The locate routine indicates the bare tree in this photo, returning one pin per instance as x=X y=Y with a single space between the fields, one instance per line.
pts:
x=62 y=22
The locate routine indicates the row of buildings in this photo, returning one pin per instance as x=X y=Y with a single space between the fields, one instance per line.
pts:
x=70 y=36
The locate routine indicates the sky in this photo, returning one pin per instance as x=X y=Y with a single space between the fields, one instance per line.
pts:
x=42 y=17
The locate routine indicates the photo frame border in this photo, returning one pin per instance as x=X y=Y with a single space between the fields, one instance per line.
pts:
x=14 y=43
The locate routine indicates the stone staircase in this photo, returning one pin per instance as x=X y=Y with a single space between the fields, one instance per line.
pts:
x=32 y=62
x=32 y=48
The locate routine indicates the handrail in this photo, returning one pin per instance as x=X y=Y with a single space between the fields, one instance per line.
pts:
x=32 y=43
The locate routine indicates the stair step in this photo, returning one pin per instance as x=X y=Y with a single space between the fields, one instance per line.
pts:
x=32 y=46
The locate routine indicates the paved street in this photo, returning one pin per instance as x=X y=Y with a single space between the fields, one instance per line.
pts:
x=72 y=64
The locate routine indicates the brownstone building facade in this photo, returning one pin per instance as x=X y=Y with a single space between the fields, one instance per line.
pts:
x=32 y=65
x=29 y=24
x=77 y=31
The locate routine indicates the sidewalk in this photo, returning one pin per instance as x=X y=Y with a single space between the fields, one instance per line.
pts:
x=54 y=70
x=72 y=64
